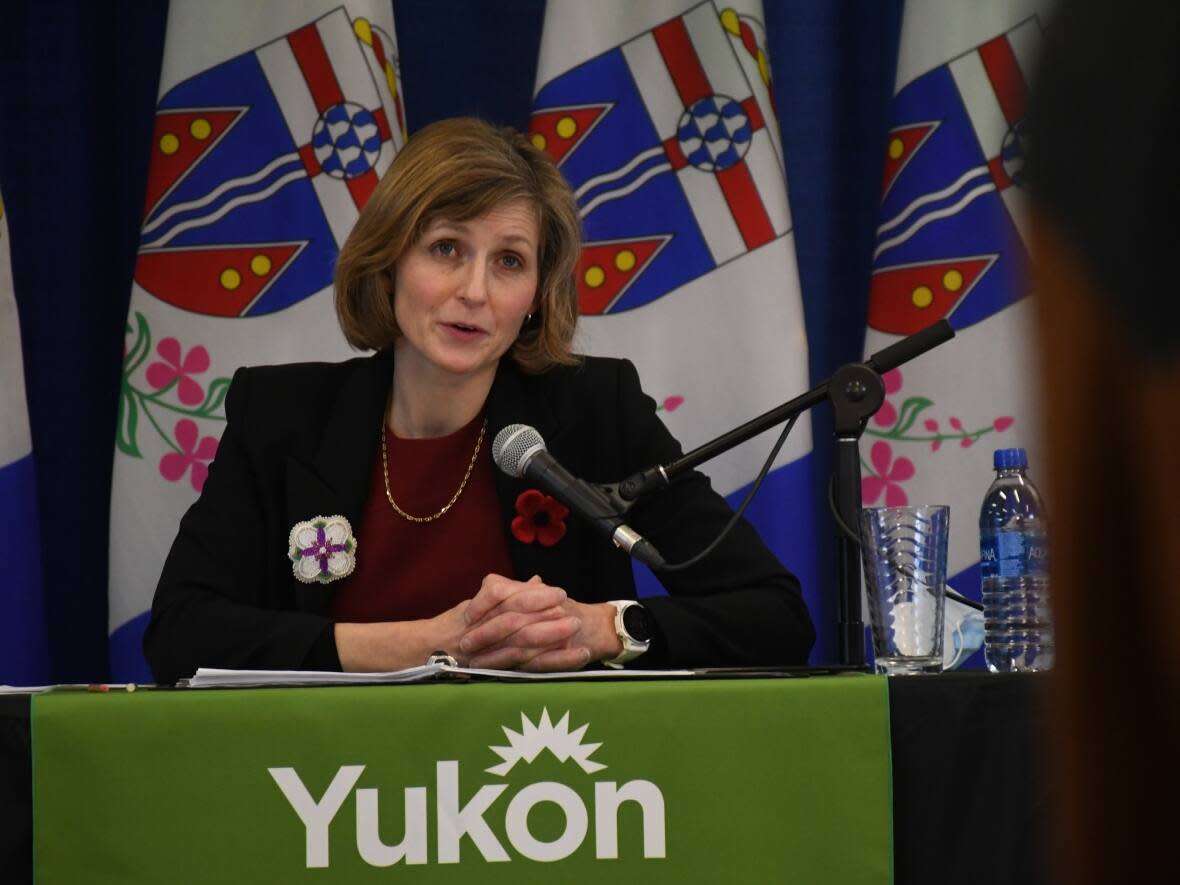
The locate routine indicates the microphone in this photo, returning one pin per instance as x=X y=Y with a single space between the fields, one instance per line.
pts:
x=520 y=452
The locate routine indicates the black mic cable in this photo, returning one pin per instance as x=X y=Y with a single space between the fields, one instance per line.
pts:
x=948 y=591
x=679 y=566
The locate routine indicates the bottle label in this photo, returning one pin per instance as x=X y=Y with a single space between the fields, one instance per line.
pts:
x=1013 y=555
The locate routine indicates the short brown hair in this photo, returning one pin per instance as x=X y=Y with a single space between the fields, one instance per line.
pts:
x=459 y=169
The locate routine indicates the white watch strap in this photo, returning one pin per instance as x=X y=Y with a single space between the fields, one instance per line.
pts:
x=632 y=647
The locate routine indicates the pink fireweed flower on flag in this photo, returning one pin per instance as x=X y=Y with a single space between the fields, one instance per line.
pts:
x=887 y=414
x=161 y=374
x=889 y=473
x=191 y=454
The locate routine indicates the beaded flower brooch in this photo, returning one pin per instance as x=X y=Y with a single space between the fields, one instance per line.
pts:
x=322 y=549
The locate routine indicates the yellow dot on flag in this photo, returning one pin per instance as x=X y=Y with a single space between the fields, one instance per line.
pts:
x=169 y=143
x=261 y=265
x=896 y=149
x=595 y=276
x=952 y=280
x=200 y=128
x=566 y=127
x=729 y=21
x=922 y=296
x=230 y=279
x=363 y=30
x=625 y=260
x=539 y=141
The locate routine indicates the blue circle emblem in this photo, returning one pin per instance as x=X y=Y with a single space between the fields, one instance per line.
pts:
x=714 y=133
x=346 y=140
x=1012 y=152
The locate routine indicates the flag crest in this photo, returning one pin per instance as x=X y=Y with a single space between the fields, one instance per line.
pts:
x=665 y=141
x=261 y=164
x=949 y=244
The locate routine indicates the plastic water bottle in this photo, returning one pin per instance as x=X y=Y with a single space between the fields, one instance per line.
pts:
x=1013 y=553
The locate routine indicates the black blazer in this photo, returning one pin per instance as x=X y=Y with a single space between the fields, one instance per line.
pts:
x=300 y=441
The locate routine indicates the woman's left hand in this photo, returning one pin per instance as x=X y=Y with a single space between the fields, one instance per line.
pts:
x=514 y=625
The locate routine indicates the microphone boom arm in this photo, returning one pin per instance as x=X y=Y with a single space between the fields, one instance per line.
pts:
x=653 y=477
x=856 y=391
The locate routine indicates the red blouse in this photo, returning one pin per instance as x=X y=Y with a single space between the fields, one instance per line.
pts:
x=408 y=570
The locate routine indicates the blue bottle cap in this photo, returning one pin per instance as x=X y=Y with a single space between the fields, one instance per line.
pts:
x=1009 y=458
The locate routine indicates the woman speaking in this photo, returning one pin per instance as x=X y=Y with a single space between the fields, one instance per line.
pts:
x=353 y=518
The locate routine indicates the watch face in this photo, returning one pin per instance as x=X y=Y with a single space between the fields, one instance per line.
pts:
x=637 y=623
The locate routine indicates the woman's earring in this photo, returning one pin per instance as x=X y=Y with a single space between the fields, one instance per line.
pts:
x=528 y=318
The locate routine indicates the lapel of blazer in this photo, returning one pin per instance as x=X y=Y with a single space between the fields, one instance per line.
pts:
x=334 y=477
x=516 y=398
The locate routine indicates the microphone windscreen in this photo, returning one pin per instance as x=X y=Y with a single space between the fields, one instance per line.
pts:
x=513 y=446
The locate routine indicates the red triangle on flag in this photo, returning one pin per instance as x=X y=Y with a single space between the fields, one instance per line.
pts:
x=221 y=281
x=908 y=298
x=180 y=138
x=904 y=142
x=557 y=131
x=607 y=269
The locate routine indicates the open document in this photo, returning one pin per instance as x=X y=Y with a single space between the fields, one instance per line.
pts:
x=431 y=672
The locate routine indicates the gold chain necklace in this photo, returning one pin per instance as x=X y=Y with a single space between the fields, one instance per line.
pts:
x=454 y=498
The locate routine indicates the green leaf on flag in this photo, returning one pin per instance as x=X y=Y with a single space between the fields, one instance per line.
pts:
x=215 y=397
x=125 y=428
x=140 y=349
x=910 y=410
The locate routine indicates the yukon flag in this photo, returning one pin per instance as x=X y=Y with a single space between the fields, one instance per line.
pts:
x=23 y=655
x=273 y=125
x=951 y=244
x=661 y=116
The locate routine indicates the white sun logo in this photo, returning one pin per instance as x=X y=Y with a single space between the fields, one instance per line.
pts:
x=528 y=743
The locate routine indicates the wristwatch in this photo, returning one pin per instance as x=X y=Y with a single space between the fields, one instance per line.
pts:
x=633 y=627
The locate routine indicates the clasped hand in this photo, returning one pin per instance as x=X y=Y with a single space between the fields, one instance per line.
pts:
x=515 y=625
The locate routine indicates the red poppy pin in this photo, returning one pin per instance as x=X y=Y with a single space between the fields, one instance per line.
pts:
x=540 y=518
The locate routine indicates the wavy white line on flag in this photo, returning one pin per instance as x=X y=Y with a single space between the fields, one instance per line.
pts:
x=969 y=197
x=156 y=199
x=607 y=196
x=224 y=187
x=615 y=174
x=206 y=220
x=932 y=197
